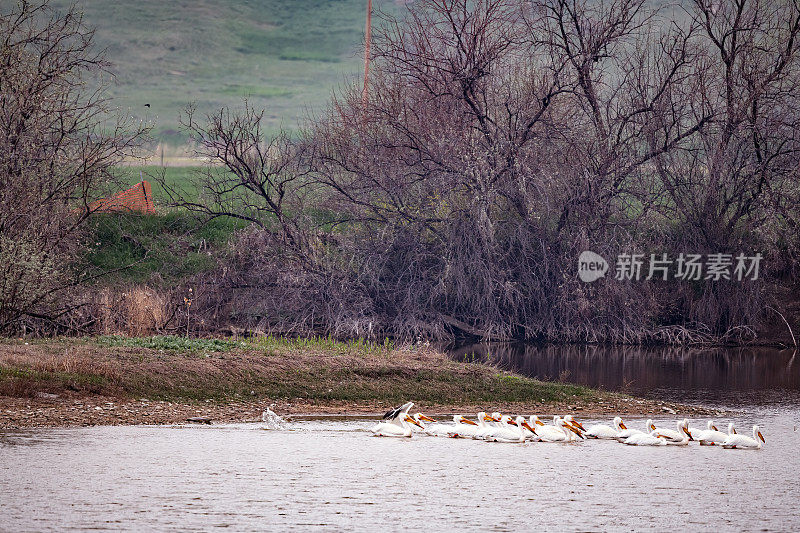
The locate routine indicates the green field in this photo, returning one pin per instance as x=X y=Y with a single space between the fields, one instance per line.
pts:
x=285 y=56
x=182 y=178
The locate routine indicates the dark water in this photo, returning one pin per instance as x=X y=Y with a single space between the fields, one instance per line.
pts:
x=740 y=376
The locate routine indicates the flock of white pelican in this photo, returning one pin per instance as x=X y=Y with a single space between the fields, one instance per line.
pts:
x=497 y=427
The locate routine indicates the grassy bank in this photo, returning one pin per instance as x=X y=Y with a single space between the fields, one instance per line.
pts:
x=121 y=380
x=178 y=369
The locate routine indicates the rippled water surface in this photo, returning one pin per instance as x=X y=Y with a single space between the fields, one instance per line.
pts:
x=331 y=474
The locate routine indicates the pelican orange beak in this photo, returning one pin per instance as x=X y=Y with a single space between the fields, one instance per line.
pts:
x=760 y=436
x=409 y=419
x=578 y=424
x=488 y=418
x=510 y=422
x=528 y=427
x=575 y=430
x=468 y=421
x=715 y=428
x=687 y=433
x=652 y=427
x=539 y=422
x=622 y=425
x=425 y=418
x=734 y=431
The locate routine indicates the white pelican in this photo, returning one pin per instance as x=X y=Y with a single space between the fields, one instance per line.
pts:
x=709 y=425
x=560 y=431
x=743 y=441
x=574 y=423
x=499 y=428
x=625 y=433
x=396 y=427
x=712 y=435
x=646 y=439
x=454 y=430
x=466 y=428
x=567 y=423
x=602 y=431
x=681 y=442
x=394 y=413
x=511 y=434
x=419 y=418
x=534 y=422
x=549 y=428
x=676 y=436
x=485 y=428
x=480 y=428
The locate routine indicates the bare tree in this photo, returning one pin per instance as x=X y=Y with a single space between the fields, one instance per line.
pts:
x=498 y=141
x=58 y=141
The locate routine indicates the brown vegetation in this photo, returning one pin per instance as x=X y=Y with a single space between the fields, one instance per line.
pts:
x=58 y=140
x=72 y=382
x=498 y=141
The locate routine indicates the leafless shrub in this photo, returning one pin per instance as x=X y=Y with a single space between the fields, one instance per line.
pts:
x=500 y=139
x=58 y=140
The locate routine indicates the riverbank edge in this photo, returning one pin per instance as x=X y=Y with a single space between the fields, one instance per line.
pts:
x=86 y=382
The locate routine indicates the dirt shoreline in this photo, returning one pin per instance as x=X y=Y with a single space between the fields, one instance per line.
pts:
x=73 y=382
x=64 y=412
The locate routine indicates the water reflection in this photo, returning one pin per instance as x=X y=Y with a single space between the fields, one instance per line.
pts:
x=641 y=370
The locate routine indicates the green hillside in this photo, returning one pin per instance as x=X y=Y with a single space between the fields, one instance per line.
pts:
x=284 y=55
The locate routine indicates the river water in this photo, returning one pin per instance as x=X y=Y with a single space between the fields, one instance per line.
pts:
x=330 y=474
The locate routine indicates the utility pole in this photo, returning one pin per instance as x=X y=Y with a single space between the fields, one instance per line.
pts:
x=367 y=40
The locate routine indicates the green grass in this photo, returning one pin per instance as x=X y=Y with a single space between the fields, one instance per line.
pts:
x=71 y=380
x=172 y=342
x=181 y=178
x=267 y=344
x=173 y=246
x=286 y=56
x=317 y=369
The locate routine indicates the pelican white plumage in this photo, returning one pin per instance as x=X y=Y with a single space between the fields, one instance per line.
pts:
x=397 y=411
x=676 y=436
x=482 y=426
x=712 y=435
x=674 y=442
x=535 y=424
x=515 y=433
x=625 y=433
x=421 y=419
x=465 y=428
x=396 y=427
x=457 y=429
x=602 y=431
x=560 y=431
x=533 y=420
x=485 y=429
x=696 y=431
x=743 y=441
x=569 y=419
x=646 y=439
x=499 y=428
